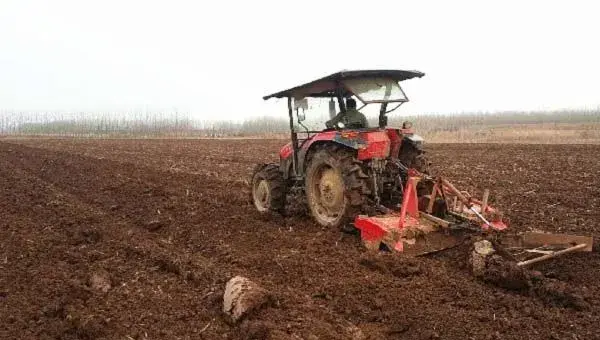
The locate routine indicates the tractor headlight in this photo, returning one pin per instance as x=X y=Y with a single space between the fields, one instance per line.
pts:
x=340 y=125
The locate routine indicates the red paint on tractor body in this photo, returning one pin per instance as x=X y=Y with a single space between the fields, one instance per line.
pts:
x=286 y=151
x=395 y=142
x=321 y=136
x=369 y=144
x=377 y=145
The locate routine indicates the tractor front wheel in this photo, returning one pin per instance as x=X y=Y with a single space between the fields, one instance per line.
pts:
x=268 y=189
x=335 y=186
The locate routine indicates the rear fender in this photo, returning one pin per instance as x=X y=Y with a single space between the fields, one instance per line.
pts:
x=286 y=160
x=286 y=151
x=368 y=144
x=416 y=140
x=285 y=167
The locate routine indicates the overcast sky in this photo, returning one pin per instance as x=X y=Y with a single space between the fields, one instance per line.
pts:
x=217 y=58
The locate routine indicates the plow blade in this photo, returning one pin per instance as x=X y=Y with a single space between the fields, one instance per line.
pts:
x=417 y=237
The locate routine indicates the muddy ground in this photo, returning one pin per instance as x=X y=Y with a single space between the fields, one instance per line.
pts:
x=134 y=239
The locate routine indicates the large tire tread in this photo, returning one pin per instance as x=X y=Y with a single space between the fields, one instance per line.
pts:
x=277 y=184
x=355 y=180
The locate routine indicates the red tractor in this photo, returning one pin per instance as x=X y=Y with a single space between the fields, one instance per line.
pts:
x=376 y=179
x=343 y=170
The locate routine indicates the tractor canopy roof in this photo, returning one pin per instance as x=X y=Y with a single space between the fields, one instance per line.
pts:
x=349 y=82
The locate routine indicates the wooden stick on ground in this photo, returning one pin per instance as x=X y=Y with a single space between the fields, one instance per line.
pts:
x=443 y=223
x=554 y=254
x=484 y=201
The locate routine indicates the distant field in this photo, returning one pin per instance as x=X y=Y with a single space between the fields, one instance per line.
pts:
x=530 y=133
x=560 y=127
x=546 y=133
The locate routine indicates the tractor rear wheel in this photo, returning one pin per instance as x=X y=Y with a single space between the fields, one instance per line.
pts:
x=335 y=186
x=268 y=189
x=414 y=158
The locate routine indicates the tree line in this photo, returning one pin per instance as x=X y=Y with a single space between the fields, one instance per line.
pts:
x=169 y=124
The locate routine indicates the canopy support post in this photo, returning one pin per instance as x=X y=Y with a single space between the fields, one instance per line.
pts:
x=340 y=96
x=294 y=138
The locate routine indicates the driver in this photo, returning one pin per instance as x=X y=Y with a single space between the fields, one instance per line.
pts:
x=352 y=118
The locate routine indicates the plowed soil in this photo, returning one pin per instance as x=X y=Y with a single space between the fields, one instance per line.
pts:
x=126 y=239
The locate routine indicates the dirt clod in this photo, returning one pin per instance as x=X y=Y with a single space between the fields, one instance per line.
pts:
x=506 y=274
x=154 y=225
x=243 y=297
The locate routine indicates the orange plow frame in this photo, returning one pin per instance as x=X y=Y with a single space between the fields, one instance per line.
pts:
x=405 y=231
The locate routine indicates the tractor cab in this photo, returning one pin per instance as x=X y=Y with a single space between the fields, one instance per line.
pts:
x=345 y=124
x=344 y=162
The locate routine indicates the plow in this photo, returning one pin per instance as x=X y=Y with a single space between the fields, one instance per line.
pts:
x=376 y=179
x=447 y=217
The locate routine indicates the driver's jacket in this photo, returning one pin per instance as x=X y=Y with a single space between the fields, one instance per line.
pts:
x=352 y=118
